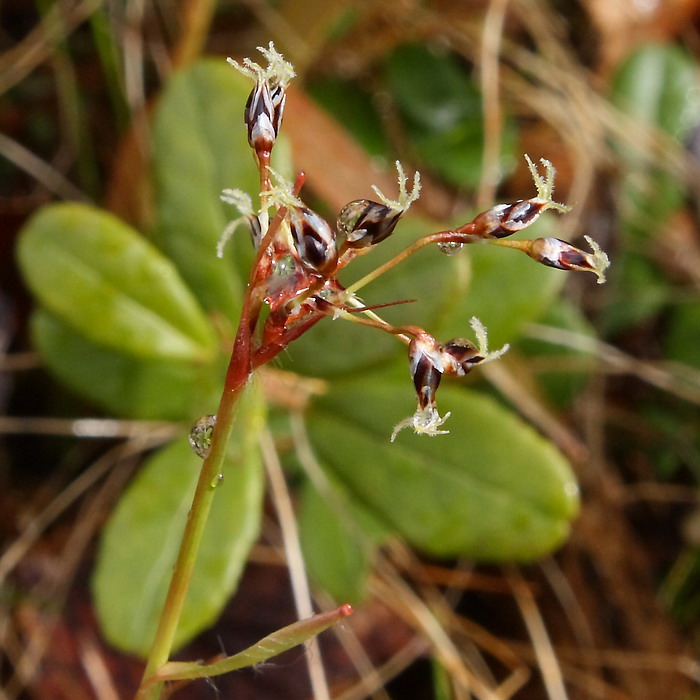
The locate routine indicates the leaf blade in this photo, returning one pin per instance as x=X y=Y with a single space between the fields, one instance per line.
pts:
x=656 y=86
x=102 y=278
x=468 y=493
x=125 y=385
x=266 y=648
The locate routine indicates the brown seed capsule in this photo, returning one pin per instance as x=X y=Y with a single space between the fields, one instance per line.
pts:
x=314 y=239
x=365 y=223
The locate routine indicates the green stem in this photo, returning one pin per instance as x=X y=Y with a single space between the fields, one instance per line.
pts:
x=457 y=236
x=236 y=380
x=239 y=370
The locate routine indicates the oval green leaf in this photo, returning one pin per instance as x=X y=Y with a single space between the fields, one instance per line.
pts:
x=492 y=489
x=442 y=113
x=141 y=540
x=656 y=86
x=124 y=385
x=102 y=278
x=339 y=539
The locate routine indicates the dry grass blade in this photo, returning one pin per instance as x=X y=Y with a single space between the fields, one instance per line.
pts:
x=62 y=19
x=680 y=380
x=394 y=592
x=546 y=658
x=40 y=625
x=295 y=560
x=372 y=684
x=64 y=500
x=97 y=672
x=43 y=172
x=489 y=79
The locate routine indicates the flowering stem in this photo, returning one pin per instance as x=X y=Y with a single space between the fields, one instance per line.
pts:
x=407 y=252
x=374 y=321
x=512 y=243
x=236 y=379
x=240 y=368
x=295 y=274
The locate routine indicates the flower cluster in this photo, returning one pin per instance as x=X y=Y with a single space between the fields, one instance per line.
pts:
x=299 y=254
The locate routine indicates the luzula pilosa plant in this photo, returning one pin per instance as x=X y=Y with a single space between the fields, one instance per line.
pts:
x=299 y=254
x=295 y=274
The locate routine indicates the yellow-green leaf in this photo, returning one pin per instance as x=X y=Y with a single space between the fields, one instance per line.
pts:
x=104 y=280
x=125 y=385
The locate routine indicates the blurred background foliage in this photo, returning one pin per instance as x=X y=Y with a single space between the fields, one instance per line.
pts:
x=96 y=108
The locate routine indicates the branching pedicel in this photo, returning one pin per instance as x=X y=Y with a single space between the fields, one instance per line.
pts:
x=299 y=254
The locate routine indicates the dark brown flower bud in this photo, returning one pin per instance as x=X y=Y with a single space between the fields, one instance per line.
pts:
x=429 y=361
x=426 y=360
x=265 y=105
x=506 y=219
x=365 y=223
x=425 y=369
x=464 y=353
x=314 y=239
x=263 y=115
x=554 y=252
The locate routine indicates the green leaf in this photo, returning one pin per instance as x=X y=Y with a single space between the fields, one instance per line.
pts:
x=201 y=148
x=493 y=489
x=354 y=108
x=141 y=539
x=442 y=112
x=683 y=333
x=339 y=539
x=657 y=86
x=267 y=648
x=123 y=384
x=100 y=277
